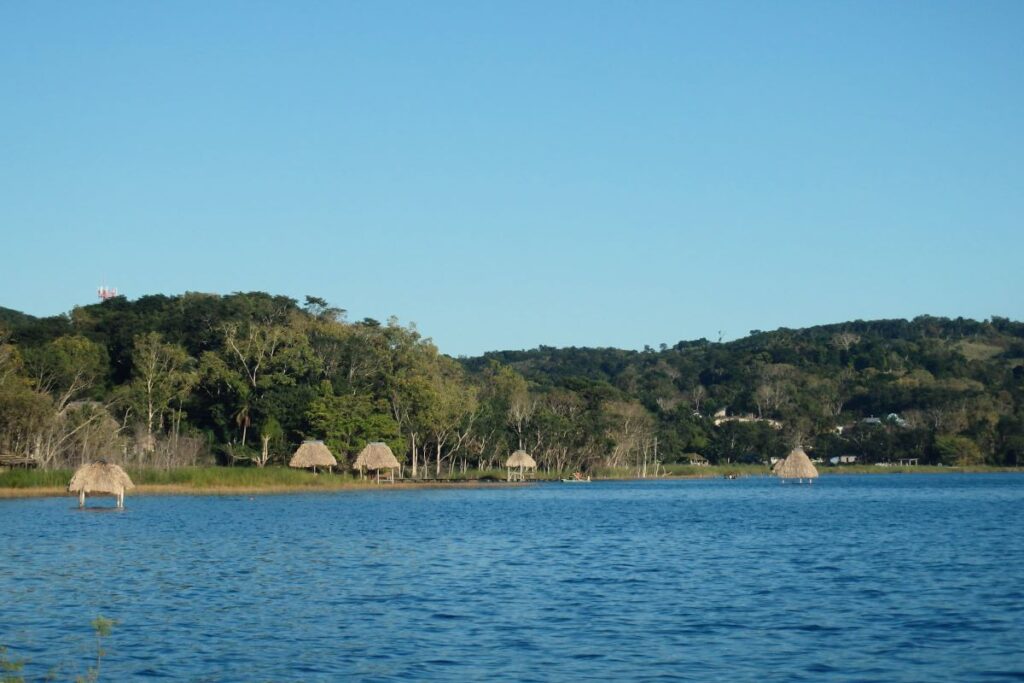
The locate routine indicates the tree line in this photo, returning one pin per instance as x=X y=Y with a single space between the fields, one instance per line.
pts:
x=165 y=381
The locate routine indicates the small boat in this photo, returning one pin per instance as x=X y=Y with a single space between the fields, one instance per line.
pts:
x=577 y=479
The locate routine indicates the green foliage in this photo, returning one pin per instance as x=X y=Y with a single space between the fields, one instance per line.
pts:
x=162 y=376
x=10 y=668
x=252 y=374
x=212 y=478
x=24 y=414
x=67 y=368
x=102 y=628
x=958 y=450
x=26 y=479
x=348 y=423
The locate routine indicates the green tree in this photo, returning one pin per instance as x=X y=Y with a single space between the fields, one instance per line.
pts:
x=270 y=433
x=958 y=450
x=453 y=403
x=162 y=374
x=407 y=382
x=67 y=368
x=347 y=423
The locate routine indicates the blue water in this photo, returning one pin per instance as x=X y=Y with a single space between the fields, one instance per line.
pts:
x=871 y=578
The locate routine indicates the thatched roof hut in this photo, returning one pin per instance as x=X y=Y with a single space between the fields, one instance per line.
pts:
x=521 y=459
x=518 y=463
x=377 y=456
x=100 y=477
x=313 y=454
x=797 y=466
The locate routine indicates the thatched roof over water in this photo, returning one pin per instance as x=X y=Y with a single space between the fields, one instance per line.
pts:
x=100 y=477
x=313 y=454
x=797 y=466
x=521 y=459
x=376 y=456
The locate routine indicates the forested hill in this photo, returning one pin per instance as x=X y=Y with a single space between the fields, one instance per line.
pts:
x=880 y=390
x=245 y=377
x=11 y=317
x=941 y=346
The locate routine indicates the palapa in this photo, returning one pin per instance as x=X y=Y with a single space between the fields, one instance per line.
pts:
x=100 y=477
x=377 y=456
x=313 y=454
x=517 y=463
x=797 y=466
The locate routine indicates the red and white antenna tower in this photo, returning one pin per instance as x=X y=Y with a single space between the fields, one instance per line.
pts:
x=104 y=292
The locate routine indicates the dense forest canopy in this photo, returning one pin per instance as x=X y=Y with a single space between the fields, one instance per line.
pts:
x=244 y=378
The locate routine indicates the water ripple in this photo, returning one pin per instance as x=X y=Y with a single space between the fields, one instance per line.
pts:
x=861 y=578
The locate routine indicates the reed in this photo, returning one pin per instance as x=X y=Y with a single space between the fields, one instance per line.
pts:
x=193 y=477
x=242 y=477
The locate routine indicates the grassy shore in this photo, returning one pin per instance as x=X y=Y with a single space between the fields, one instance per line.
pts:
x=21 y=483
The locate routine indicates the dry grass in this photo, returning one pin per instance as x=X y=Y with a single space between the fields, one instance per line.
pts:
x=974 y=350
x=212 y=481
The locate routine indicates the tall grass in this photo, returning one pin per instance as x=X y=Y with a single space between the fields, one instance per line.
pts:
x=241 y=477
x=34 y=479
x=189 y=477
x=680 y=470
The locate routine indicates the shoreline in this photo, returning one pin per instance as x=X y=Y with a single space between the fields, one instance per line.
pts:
x=186 y=489
x=9 y=493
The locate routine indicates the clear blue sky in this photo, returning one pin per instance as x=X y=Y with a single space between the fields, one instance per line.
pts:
x=513 y=174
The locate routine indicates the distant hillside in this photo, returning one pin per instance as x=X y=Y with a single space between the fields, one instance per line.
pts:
x=937 y=345
x=932 y=388
x=231 y=371
x=12 y=318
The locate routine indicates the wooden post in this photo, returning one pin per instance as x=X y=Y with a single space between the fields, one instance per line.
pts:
x=81 y=498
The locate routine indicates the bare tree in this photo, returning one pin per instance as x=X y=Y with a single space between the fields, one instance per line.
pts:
x=162 y=374
x=696 y=396
x=844 y=341
x=774 y=388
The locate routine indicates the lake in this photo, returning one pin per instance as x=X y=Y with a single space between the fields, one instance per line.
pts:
x=869 y=578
